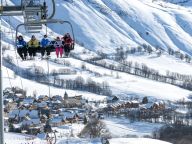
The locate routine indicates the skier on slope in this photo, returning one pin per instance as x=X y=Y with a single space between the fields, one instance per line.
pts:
x=22 y=47
x=45 y=46
x=58 y=47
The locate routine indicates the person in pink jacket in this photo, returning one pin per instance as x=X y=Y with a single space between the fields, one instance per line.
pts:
x=58 y=47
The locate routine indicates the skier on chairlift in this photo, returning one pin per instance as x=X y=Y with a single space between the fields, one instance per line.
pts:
x=45 y=46
x=67 y=44
x=33 y=46
x=21 y=47
x=58 y=47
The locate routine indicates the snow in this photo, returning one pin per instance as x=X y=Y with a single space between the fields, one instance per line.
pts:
x=11 y=138
x=127 y=85
x=163 y=63
x=136 y=141
x=41 y=89
x=123 y=127
x=108 y=24
x=15 y=138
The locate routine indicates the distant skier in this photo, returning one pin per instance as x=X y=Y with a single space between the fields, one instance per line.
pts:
x=21 y=48
x=58 y=47
x=45 y=46
x=67 y=43
x=33 y=46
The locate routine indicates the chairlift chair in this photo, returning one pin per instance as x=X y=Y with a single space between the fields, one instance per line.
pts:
x=31 y=28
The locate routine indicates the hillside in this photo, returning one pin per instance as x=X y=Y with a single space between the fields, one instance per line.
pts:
x=105 y=24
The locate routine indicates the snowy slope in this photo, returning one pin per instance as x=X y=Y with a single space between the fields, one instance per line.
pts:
x=125 y=86
x=17 y=138
x=107 y=24
x=181 y=2
x=136 y=141
x=123 y=127
x=11 y=138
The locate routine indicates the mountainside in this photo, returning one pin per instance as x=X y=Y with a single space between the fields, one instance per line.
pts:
x=108 y=24
x=181 y=2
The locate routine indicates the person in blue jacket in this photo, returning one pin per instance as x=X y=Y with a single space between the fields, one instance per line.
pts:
x=45 y=46
x=22 y=47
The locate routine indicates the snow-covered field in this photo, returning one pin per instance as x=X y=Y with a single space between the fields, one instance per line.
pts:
x=136 y=141
x=163 y=63
x=16 y=138
x=123 y=127
x=11 y=138
x=126 y=85
x=33 y=87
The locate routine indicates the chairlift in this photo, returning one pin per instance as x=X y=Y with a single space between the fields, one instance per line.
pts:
x=33 y=27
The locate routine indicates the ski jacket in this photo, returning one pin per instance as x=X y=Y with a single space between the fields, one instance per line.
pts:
x=45 y=42
x=67 y=40
x=33 y=43
x=21 y=44
x=58 y=43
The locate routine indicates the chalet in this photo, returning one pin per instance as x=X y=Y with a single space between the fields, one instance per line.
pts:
x=80 y=113
x=31 y=122
x=112 y=99
x=41 y=105
x=70 y=115
x=57 y=104
x=160 y=105
x=57 y=97
x=57 y=121
x=127 y=104
x=42 y=98
x=147 y=106
x=28 y=101
x=134 y=104
x=153 y=106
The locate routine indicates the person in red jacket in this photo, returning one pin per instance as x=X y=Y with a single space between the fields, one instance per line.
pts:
x=67 y=43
